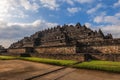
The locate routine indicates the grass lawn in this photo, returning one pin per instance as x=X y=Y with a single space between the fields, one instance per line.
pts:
x=100 y=65
x=7 y=57
x=49 y=61
x=96 y=65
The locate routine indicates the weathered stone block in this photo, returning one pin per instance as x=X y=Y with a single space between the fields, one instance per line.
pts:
x=114 y=49
x=57 y=50
x=17 y=51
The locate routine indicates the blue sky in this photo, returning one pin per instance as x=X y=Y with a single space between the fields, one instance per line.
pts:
x=20 y=18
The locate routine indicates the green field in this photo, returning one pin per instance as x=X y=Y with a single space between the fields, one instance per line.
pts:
x=100 y=65
x=95 y=65
x=7 y=57
x=49 y=61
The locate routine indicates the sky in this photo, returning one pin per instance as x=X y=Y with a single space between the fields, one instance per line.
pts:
x=21 y=18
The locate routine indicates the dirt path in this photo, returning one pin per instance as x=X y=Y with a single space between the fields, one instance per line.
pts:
x=25 y=70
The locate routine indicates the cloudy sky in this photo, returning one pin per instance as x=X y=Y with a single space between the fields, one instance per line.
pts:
x=20 y=18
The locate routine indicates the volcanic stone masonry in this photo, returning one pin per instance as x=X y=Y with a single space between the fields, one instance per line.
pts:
x=67 y=39
x=2 y=49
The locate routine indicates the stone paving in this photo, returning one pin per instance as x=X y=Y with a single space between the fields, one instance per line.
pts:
x=25 y=70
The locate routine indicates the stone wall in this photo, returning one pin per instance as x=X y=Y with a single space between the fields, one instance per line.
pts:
x=56 y=50
x=76 y=57
x=17 y=50
x=109 y=49
x=106 y=57
x=114 y=49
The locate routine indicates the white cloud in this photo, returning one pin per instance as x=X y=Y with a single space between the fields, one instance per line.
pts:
x=112 y=19
x=98 y=19
x=7 y=7
x=115 y=19
x=117 y=4
x=15 y=31
x=112 y=23
x=51 y=4
x=92 y=10
x=29 y=6
x=84 y=1
x=17 y=8
x=71 y=2
x=6 y=42
x=73 y=10
x=113 y=29
x=117 y=14
x=88 y=24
